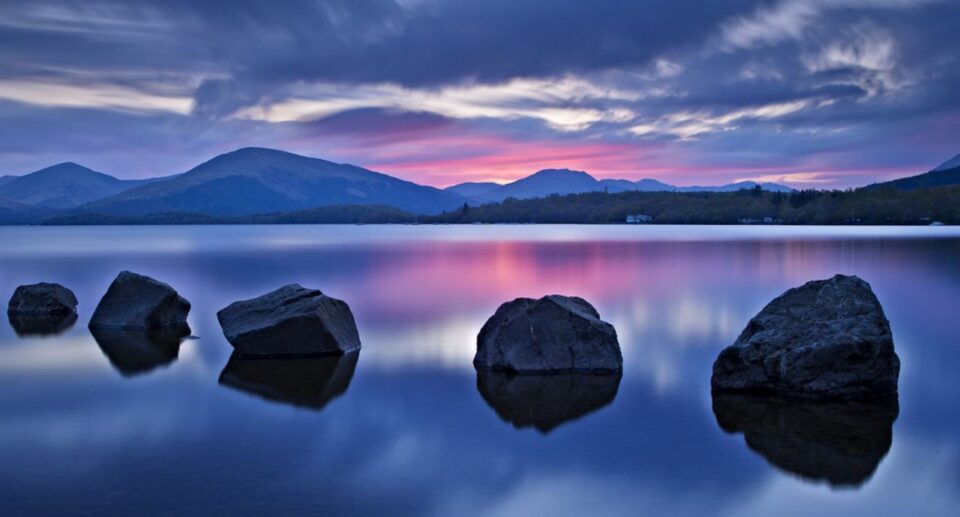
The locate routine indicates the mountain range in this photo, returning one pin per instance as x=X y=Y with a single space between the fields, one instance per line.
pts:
x=565 y=181
x=254 y=181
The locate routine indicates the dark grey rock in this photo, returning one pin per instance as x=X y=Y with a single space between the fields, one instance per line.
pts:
x=137 y=351
x=289 y=322
x=838 y=441
x=552 y=334
x=41 y=324
x=310 y=382
x=825 y=339
x=548 y=400
x=42 y=299
x=139 y=302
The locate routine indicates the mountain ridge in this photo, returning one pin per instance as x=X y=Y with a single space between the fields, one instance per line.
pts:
x=548 y=182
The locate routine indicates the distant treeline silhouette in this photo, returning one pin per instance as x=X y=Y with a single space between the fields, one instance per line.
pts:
x=869 y=206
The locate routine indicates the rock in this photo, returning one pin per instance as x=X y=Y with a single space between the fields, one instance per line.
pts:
x=42 y=299
x=826 y=339
x=545 y=401
x=137 y=351
x=838 y=441
x=41 y=324
x=552 y=334
x=310 y=382
x=290 y=322
x=139 y=302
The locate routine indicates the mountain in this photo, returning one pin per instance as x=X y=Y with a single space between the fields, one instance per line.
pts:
x=565 y=181
x=7 y=179
x=256 y=181
x=952 y=163
x=62 y=186
x=473 y=188
x=12 y=212
x=935 y=178
x=740 y=185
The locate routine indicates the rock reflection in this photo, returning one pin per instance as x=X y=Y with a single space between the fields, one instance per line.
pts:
x=41 y=325
x=840 y=442
x=136 y=351
x=545 y=401
x=307 y=382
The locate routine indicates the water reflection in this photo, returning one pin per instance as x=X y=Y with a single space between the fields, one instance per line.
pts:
x=306 y=382
x=545 y=401
x=134 y=352
x=41 y=324
x=840 y=442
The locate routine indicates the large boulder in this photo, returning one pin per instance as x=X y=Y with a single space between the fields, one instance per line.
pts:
x=139 y=302
x=825 y=339
x=290 y=322
x=553 y=334
x=838 y=441
x=41 y=324
x=545 y=401
x=43 y=299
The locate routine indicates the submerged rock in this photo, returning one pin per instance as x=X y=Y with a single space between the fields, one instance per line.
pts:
x=546 y=401
x=825 y=339
x=289 y=322
x=840 y=442
x=137 y=351
x=139 y=302
x=310 y=382
x=41 y=324
x=552 y=334
x=43 y=299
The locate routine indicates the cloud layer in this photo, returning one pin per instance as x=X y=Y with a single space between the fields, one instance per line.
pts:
x=813 y=92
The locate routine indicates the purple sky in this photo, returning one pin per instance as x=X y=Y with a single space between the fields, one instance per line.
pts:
x=812 y=93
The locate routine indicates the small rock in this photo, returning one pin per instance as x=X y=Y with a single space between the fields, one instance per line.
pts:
x=310 y=382
x=41 y=324
x=289 y=322
x=139 y=302
x=552 y=334
x=545 y=401
x=42 y=299
x=825 y=339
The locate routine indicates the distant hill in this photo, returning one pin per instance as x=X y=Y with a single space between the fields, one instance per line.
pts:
x=952 y=163
x=565 y=181
x=333 y=214
x=256 y=180
x=473 y=188
x=12 y=212
x=62 y=186
x=7 y=179
x=935 y=178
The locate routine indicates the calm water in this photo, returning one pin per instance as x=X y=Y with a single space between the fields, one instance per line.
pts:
x=404 y=429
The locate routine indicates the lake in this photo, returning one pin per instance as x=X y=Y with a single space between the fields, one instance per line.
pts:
x=407 y=428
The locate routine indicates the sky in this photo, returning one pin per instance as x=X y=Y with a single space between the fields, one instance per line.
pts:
x=811 y=93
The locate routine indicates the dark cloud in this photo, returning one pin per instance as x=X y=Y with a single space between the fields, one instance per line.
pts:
x=867 y=75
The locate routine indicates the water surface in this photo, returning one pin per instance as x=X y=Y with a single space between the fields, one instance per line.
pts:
x=407 y=427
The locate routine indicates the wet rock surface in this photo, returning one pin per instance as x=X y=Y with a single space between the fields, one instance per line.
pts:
x=545 y=401
x=553 y=334
x=840 y=442
x=135 y=301
x=307 y=382
x=137 y=351
x=43 y=299
x=25 y=325
x=292 y=321
x=825 y=339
